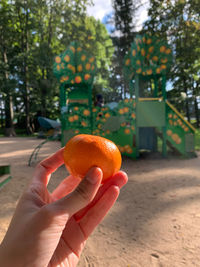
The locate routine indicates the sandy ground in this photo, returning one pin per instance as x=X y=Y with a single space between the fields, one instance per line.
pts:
x=155 y=222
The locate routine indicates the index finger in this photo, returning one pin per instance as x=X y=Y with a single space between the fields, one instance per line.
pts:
x=47 y=166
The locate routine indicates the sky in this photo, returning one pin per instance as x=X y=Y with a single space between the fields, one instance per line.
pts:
x=102 y=8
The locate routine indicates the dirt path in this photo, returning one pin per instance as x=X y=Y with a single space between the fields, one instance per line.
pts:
x=155 y=222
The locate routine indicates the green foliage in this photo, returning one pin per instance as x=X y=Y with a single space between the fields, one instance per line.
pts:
x=148 y=55
x=179 y=22
x=32 y=33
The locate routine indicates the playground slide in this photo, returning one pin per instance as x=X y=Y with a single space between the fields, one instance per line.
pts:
x=180 y=133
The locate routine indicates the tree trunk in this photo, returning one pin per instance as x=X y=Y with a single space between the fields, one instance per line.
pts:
x=9 y=115
x=9 y=127
x=196 y=112
x=29 y=129
x=186 y=101
x=196 y=104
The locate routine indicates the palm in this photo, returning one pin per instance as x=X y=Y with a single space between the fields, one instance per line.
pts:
x=59 y=244
x=68 y=248
x=70 y=238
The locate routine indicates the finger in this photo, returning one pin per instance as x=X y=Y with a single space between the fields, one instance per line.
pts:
x=96 y=214
x=65 y=187
x=81 y=196
x=46 y=167
x=119 y=179
x=74 y=236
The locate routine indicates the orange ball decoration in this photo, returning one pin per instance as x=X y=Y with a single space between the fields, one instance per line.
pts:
x=78 y=79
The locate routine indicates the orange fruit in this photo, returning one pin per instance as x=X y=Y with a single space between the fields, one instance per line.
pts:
x=155 y=58
x=87 y=76
x=151 y=49
x=139 y=70
x=78 y=79
x=143 y=52
x=85 y=151
x=83 y=57
x=127 y=131
x=162 y=48
x=149 y=41
x=67 y=58
x=80 y=68
x=133 y=52
x=163 y=66
x=149 y=72
x=168 y=51
x=91 y=59
x=158 y=70
x=87 y=66
x=86 y=112
x=57 y=59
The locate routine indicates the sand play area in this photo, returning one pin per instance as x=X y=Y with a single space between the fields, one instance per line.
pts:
x=155 y=222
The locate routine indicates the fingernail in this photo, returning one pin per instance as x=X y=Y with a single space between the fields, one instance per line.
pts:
x=94 y=175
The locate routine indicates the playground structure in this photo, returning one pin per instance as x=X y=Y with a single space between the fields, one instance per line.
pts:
x=52 y=129
x=4 y=175
x=136 y=123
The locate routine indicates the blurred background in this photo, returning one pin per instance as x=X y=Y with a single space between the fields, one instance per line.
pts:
x=32 y=33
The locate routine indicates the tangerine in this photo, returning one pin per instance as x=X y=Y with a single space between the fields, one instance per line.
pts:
x=84 y=151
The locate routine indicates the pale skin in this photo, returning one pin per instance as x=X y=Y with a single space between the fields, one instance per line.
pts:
x=51 y=229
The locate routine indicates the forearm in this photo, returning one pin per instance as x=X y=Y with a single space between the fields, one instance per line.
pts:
x=8 y=258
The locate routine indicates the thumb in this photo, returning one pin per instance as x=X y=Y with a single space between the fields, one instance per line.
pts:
x=81 y=196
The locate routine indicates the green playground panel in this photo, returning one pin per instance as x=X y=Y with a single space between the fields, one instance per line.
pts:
x=179 y=132
x=125 y=142
x=189 y=143
x=151 y=114
x=5 y=174
x=117 y=125
x=68 y=134
x=177 y=138
x=4 y=169
x=78 y=93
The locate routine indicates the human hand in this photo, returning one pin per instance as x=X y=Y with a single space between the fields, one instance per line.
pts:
x=50 y=229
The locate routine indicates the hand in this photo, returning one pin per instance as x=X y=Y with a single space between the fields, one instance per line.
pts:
x=50 y=229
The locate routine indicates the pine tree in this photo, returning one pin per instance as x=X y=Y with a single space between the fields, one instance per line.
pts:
x=125 y=24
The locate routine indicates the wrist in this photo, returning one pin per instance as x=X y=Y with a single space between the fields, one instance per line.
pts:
x=8 y=259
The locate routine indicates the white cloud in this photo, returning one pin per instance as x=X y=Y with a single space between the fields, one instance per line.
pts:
x=104 y=7
x=100 y=8
x=142 y=14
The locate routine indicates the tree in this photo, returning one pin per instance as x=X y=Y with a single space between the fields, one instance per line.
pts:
x=179 y=21
x=32 y=34
x=6 y=64
x=125 y=26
